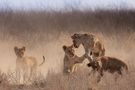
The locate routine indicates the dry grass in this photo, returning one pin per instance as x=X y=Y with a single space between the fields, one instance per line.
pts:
x=77 y=81
x=44 y=33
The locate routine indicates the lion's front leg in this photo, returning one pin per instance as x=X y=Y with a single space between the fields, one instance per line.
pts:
x=89 y=58
x=18 y=75
x=25 y=76
x=100 y=74
x=88 y=54
x=74 y=68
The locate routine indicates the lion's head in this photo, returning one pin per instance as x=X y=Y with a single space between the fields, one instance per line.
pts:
x=69 y=51
x=94 y=65
x=76 y=40
x=19 y=51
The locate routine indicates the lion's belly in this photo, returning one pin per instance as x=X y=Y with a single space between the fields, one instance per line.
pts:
x=29 y=61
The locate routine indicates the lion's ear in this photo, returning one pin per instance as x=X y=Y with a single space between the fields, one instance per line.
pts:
x=15 y=48
x=64 y=47
x=72 y=36
x=75 y=36
x=23 y=48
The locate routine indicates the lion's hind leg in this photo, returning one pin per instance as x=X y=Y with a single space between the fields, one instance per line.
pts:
x=33 y=73
x=25 y=75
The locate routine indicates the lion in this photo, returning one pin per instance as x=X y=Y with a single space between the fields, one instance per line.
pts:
x=92 y=45
x=71 y=60
x=110 y=64
x=25 y=66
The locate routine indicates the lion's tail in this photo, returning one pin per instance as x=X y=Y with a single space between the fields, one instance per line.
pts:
x=43 y=61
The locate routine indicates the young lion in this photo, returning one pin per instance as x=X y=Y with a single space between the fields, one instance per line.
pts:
x=70 y=59
x=25 y=66
x=109 y=64
x=91 y=44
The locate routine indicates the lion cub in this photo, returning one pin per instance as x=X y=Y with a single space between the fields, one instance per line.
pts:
x=70 y=59
x=25 y=66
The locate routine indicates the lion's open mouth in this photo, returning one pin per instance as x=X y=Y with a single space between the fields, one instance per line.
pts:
x=88 y=64
x=72 y=55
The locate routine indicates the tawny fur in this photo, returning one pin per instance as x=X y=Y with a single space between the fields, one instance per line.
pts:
x=71 y=60
x=25 y=66
x=91 y=44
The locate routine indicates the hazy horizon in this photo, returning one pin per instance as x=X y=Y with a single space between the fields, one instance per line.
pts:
x=59 y=5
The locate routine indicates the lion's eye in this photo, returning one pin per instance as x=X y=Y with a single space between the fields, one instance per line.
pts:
x=70 y=51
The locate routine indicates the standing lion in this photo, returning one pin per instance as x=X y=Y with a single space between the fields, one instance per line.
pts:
x=25 y=66
x=92 y=45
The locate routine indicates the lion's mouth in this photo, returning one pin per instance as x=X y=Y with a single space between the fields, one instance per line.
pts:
x=88 y=64
x=72 y=55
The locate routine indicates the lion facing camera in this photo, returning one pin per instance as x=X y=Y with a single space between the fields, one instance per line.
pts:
x=25 y=66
